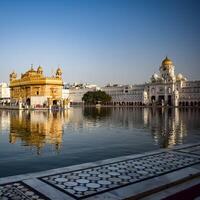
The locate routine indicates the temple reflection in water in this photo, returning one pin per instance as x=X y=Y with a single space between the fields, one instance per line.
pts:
x=166 y=125
x=36 y=129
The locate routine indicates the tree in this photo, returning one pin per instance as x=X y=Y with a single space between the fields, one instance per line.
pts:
x=96 y=97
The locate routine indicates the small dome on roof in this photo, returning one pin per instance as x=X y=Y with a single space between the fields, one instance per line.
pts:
x=40 y=70
x=179 y=76
x=13 y=74
x=59 y=69
x=167 y=61
x=155 y=76
x=58 y=72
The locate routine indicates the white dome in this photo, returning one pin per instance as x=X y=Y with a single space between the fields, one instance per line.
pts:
x=179 y=76
x=184 y=78
x=155 y=76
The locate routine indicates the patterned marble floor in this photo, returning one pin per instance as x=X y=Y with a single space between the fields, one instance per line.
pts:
x=193 y=150
x=91 y=181
x=19 y=191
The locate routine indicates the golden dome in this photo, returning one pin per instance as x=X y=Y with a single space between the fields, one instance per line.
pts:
x=167 y=61
x=39 y=69
x=13 y=75
x=59 y=71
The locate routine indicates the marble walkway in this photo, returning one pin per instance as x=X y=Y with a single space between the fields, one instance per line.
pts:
x=152 y=175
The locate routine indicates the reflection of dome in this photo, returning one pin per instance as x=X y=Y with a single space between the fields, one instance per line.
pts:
x=167 y=61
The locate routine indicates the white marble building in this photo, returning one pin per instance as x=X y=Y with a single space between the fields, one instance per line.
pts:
x=4 y=92
x=164 y=88
x=77 y=90
x=127 y=94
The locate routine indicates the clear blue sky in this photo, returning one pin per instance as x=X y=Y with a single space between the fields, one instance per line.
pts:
x=100 y=41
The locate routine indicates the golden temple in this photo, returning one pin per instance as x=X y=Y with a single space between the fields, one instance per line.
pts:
x=34 y=90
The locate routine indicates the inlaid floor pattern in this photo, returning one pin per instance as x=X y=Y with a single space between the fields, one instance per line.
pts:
x=19 y=191
x=91 y=181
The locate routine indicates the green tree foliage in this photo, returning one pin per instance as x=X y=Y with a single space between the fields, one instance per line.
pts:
x=96 y=97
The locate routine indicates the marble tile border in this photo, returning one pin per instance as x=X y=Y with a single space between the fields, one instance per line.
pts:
x=174 y=190
x=150 y=166
x=154 y=185
x=47 y=190
x=194 y=149
x=20 y=190
x=32 y=180
x=21 y=177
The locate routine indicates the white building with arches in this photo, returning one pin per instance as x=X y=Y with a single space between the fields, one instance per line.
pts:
x=164 y=88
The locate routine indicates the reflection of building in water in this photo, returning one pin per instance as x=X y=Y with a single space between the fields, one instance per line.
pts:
x=129 y=117
x=37 y=128
x=167 y=126
x=96 y=113
x=87 y=117
x=4 y=120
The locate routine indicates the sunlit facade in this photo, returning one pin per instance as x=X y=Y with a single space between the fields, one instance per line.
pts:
x=164 y=88
x=34 y=90
x=76 y=91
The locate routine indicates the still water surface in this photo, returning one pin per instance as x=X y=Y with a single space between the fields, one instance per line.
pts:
x=39 y=140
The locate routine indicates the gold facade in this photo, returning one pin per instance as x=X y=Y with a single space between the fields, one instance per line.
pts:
x=34 y=85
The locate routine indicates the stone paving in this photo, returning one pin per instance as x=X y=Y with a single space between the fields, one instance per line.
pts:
x=193 y=150
x=90 y=181
x=19 y=191
x=119 y=175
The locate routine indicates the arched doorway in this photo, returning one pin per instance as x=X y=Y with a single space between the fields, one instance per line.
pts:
x=153 y=98
x=191 y=104
x=169 y=100
x=161 y=99
x=28 y=102
x=55 y=102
